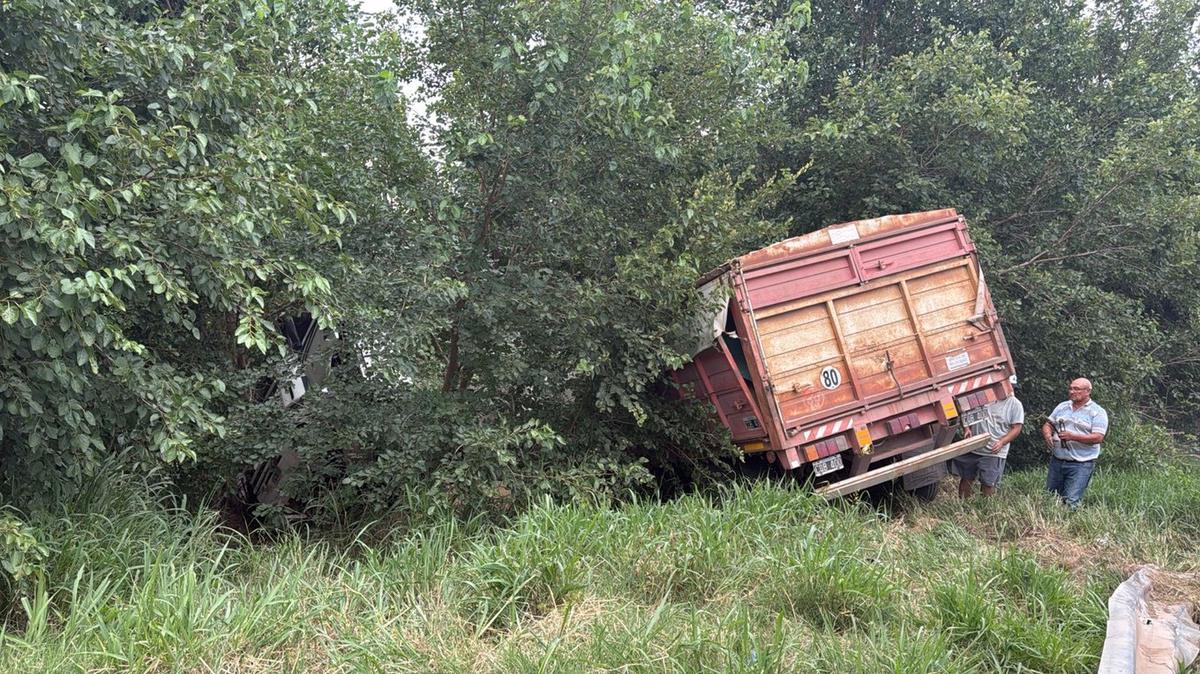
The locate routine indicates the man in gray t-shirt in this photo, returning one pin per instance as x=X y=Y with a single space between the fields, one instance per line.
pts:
x=1002 y=420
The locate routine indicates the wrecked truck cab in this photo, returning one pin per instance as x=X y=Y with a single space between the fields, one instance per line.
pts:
x=850 y=351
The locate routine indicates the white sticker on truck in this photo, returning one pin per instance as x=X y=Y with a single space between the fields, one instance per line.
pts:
x=842 y=234
x=831 y=378
x=958 y=361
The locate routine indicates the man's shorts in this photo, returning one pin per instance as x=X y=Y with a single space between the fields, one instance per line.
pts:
x=987 y=468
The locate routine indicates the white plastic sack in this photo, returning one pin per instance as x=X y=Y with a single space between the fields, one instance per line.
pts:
x=1145 y=636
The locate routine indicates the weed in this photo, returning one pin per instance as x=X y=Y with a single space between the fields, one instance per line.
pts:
x=748 y=578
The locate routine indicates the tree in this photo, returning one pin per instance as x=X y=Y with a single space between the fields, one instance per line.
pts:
x=1064 y=133
x=591 y=161
x=154 y=223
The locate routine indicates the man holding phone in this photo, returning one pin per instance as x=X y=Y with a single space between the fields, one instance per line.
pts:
x=1073 y=433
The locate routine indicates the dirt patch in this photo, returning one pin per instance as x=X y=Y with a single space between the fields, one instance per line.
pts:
x=1170 y=588
x=577 y=617
x=1057 y=549
x=1049 y=545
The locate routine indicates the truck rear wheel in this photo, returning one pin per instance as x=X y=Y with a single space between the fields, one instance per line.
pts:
x=926 y=494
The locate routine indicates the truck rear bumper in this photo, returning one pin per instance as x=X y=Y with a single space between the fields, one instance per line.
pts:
x=901 y=468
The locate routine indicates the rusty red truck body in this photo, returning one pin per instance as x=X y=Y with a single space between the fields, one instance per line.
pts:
x=843 y=351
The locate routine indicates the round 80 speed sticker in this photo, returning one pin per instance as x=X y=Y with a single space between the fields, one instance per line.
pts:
x=831 y=378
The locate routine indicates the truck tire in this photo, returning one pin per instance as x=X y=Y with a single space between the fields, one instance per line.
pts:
x=926 y=494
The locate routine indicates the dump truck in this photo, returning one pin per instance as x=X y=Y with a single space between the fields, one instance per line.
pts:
x=854 y=353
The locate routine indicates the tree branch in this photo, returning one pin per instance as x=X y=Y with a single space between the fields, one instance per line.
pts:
x=1039 y=259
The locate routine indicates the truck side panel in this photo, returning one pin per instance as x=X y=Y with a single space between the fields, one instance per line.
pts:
x=713 y=376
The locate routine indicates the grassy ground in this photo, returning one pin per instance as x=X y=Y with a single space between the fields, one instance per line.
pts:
x=758 y=578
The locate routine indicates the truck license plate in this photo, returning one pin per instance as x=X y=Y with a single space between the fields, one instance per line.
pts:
x=972 y=417
x=828 y=465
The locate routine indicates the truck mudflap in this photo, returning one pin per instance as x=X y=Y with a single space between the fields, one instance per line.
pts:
x=913 y=464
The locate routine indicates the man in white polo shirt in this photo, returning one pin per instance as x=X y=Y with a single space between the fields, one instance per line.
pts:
x=1073 y=433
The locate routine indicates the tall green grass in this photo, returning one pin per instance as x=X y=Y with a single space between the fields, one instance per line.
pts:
x=753 y=578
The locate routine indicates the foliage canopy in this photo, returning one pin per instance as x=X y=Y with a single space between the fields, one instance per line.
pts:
x=509 y=263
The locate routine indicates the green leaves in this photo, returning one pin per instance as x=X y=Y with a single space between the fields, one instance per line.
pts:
x=22 y=555
x=514 y=270
x=123 y=160
x=72 y=153
x=31 y=161
x=1050 y=128
x=575 y=137
x=251 y=332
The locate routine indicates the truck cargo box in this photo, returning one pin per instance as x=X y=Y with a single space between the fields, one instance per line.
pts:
x=854 y=345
